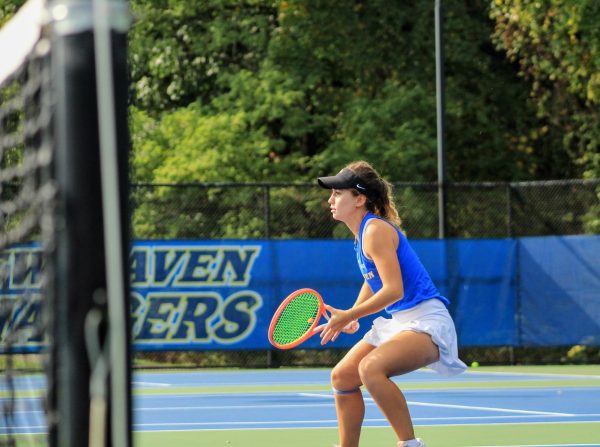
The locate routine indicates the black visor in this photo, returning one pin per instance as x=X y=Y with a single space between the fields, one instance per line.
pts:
x=345 y=179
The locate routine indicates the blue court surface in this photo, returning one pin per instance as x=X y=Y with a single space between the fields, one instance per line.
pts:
x=310 y=409
x=301 y=398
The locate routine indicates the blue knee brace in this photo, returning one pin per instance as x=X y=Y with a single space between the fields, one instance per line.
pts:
x=346 y=392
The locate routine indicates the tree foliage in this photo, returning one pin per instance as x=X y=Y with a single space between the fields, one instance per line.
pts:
x=320 y=84
x=556 y=45
x=287 y=90
x=8 y=8
x=180 y=50
x=263 y=90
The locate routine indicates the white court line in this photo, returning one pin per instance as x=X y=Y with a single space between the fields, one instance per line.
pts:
x=532 y=374
x=532 y=414
x=463 y=407
x=367 y=428
x=207 y=407
x=234 y=384
x=476 y=418
x=176 y=394
x=234 y=407
x=225 y=424
x=30 y=427
x=368 y=420
x=542 y=445
x=334 y=421
x=501 y=410
x=151 y=384
x=253 y=407
x=323 y=396
x=210 y=396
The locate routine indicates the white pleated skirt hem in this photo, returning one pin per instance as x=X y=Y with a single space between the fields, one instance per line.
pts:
x=430 y=317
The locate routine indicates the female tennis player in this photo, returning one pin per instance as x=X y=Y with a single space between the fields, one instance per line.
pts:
x=419 y=331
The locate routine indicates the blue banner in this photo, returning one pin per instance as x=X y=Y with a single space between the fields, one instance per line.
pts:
x=221 y=295
x=560 y=291
x=216 y=295
x=20 y=300
x=480 y=281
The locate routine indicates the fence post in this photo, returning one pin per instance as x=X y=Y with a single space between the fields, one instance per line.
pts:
x=518 y=303
x=441 y=131
x=273 y=360
x=509 y=210
x=267 y=210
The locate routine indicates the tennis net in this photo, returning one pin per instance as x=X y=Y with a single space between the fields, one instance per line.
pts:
x=27 y=198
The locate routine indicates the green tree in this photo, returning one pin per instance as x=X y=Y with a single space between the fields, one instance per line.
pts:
x=353 y=57
x=240 y=136
x=295 y=89
x=8 y=8
x=556 y=45
x=394 y=128
x=180 y=49
x=350 y=67
x=211 y=143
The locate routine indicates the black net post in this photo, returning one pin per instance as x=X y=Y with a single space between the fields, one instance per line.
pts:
x=81 y=403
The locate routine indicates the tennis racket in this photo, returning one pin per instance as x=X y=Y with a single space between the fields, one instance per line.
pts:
x=296 y=319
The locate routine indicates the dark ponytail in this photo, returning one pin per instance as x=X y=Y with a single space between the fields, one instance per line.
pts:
x=380 y=198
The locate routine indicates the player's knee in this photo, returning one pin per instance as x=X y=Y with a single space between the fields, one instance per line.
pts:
x=369 y=372
x=343 y=379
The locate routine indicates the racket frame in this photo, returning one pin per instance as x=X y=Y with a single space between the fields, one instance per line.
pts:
x=311 y=330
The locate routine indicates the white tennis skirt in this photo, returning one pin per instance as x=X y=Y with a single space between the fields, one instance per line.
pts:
x=431 y=317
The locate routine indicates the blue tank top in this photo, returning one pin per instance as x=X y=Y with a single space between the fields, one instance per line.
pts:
x=418 y=286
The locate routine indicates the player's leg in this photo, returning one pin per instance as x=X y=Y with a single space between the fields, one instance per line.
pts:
x=401 y=354
x=349 y=404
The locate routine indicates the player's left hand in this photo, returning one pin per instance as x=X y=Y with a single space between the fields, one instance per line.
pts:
x=339 y=321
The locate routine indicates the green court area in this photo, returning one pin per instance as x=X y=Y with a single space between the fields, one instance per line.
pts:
x=439 y=436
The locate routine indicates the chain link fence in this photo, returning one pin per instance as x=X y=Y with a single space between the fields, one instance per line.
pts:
x=300 y=211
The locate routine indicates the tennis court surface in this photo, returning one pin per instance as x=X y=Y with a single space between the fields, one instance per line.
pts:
x=510 y=406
